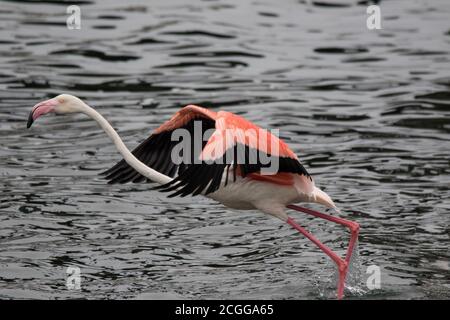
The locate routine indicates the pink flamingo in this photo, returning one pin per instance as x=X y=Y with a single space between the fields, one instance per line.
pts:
x=236 y=184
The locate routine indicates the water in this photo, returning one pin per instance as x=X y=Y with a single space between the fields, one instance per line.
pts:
x=366 y=111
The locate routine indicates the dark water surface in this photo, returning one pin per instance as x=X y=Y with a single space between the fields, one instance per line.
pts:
x=368 y=112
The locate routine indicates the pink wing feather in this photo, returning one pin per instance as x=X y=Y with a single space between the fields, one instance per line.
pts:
x=232 y=129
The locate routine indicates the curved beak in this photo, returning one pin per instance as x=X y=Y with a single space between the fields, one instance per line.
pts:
x=40 y=109
x=30 y=119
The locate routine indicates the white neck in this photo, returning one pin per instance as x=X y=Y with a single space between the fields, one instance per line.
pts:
x=127 y=155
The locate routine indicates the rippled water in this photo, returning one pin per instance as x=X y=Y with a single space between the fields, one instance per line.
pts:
x=366 y=111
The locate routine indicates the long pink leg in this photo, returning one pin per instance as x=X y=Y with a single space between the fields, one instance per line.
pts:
x=342 y=264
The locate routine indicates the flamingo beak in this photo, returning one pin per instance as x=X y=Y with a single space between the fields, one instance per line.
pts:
x=40 y=109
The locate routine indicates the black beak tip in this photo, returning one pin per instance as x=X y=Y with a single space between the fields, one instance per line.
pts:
x=30 y=120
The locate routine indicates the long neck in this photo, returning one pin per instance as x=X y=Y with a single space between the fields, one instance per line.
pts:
x=127 y=155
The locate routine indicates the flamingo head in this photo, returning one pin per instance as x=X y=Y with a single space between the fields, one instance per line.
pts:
x=64 y=103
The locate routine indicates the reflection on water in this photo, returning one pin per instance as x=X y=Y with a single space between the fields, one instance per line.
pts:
x=367 y=112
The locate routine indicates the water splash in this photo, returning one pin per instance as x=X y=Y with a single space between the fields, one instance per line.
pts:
x=327 y=285
x=354 y=280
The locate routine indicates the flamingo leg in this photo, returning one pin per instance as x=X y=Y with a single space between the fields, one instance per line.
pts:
x=342 y=264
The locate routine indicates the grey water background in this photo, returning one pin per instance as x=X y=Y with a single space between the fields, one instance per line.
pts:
x=367 y=111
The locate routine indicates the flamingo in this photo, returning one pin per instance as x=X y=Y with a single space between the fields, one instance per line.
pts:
x=235 y=184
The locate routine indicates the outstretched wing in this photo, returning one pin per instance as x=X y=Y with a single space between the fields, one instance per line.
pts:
x=156 y=151
x=240 y=146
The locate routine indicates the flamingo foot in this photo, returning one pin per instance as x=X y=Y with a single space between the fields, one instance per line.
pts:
x=342 y=264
